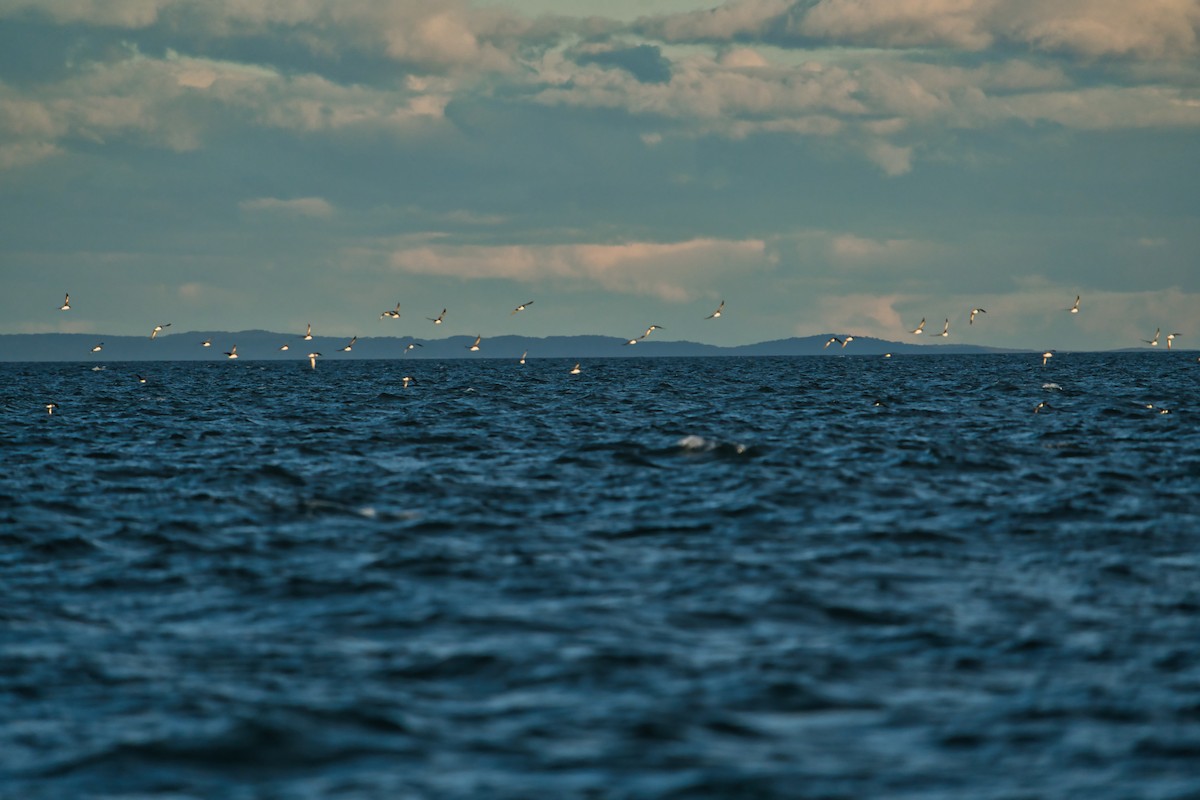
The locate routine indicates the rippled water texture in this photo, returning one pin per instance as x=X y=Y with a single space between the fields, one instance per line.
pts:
x=658 y=578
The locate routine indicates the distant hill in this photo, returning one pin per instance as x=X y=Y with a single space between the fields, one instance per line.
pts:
x=265 y=345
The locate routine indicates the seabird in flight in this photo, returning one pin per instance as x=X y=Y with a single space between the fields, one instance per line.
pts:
x=66 y=306
x=284 y=347
x=406 y=380
x=232 y=352
x=312 y=359
x=50 y=407
x=1046 y=356
x=1154 y=342
x=847 y=341
x=308 y=333
x=974 y=311
x=438 y=319
x=474 y=347
x=522 y=307
x=575 y=369
x=98 y=348
x=1042 y=405
x=410 y=346
x=1074 y=309
x=140 y=378
x=1171 y=336
x=206 y=343
x=522 y=361
x=920 y=328
x=350 y=346
x=392 y=314
x=651 y=329
x=158 y=328
x=717 y=313
x=945 y=329
x=832 y=339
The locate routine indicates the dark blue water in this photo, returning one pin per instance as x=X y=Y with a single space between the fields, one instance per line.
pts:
x=657 y=579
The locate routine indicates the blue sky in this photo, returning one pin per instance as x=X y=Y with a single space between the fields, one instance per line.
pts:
x=845 y=166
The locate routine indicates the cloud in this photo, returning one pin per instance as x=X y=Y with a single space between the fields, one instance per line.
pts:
x=302 y=206
x=672 y=271
x=644 y=62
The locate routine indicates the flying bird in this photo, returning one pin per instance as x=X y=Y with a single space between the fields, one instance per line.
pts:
x=717 y=313
x=832 y=339
x=847 y=341
x=284 y=347
x=1074 y=309
x=66 y=306
x=158 y=328
x=350 y=346
x=945 y=329
x=308 y=333
x=974 y=311
x=522 y=361
x=206 y=343
x=392 y=314
x=140 y=378
x=312 y=359
x=1043 y=405
x=406 y=380
x=1154 y=342
x=522 y=307
x=1171 y=336
x=474 y=347
x=438 y=319
x=575 y=369
x=1046 y=356
x=920 y=327
x=98 y=348
x=50 y=407
x=651 y=329
x=410 y=346
x=232 y=352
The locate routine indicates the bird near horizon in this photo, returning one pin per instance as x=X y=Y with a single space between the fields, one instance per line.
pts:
x=945 y=329
x=410 y=346
x=830 y=341
x=66 y=306
x=406 y=380
x=439 y=318
x=232 y=352
x=50 y=407
x=1153 y=341
x=575 y=369
x=1046 y=356
x=391 y=314
x=206 y=343
x=474 y=346
x=974 y=311
x=312 y=359
x=350 y=346
x=522 y=361
x=847 y=341
x=522 y=307
x=98 y=348
x=308 y=333
x=158 y=328
x=920 y=327
x=285 y=347
x=717 y=313
x=652 y=329
x=1171 y=337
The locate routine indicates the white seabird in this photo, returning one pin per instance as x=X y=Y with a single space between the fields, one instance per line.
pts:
x=521 y=307
x=158 y=328
x=651 y=329
x=1170 y=337
x=847 y=341
x=522 y=361
x=945 y=329
x=410 y=346
x=438 y=319
x=395 y=314
x=308 y=333
x=350 y=346
x=406 y=380
x=312 y=359
x=285 y=347
x=1074 y=309
x=974 y=311
x=1046 y=356
x=832 y=339
x=717 y=313
x=50 y=407
x=920 y=327
x=232 y=352
x=1154 y=341
x=474 y=346
x=98 y=348
x=575 y=369
x=206 y=343
x=66 y=306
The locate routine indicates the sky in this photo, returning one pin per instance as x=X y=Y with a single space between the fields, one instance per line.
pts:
x=821 y=166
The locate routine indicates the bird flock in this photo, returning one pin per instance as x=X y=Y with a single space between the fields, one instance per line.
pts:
x=476 y=345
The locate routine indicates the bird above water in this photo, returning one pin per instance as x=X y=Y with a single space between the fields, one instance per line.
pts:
x=98 y=348
x=438 y=319
x=312 y=359
x=50 y=407
x=474 y=346
x=920 y=327
x=831 y=340
x=1046 y=356
x=1074 y=309
x=392 y=314
x=974 y=311
x=1153 y=342
x=308 y=333
x=1171 y=337
x=158 y=328
x=350 y=346
x=945 y=329
x=232 y=352
x=66 y=306
x=575 y=369
x=521 y=307
x=717 y=313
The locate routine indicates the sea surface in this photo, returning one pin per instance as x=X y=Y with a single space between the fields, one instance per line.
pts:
x=842 y=577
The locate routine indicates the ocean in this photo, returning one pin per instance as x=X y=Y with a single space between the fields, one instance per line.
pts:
x=825 y=577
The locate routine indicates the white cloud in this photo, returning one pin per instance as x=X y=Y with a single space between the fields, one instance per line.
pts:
x=303 y=206
x=672 y=271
